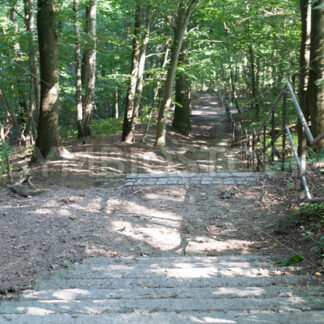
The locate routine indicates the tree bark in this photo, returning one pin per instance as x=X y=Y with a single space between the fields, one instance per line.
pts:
x=78 y=79
x=181 y=119
x=10 y=117
x=184 y=13
x=116 y=105
x=89 y=68
x=316 y=78
x=130 y=101
x=47 y=132
x=130 y=137
x=304 y=58
x=234 y=96
x=156 y=91
x=254 y=89
x=34 y=77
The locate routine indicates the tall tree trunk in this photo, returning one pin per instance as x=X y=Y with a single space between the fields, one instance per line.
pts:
x=78 y=81
x=130 y=137
x=232 y=82
x=89 y=68
x=184 y=13
x=181 y=119
x=304 y=58
x=156 y=92
x=130 y=101
x=47 y=132
x=34 y=78
x=10 y=117
x=316 y=77
x=116 y=106
x=253 y=82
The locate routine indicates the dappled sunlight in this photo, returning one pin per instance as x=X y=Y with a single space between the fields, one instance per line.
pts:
x=65 y=212
x=207 y=272
x=157 y=212
x=209 y=245
x=42 y=211
x=206 y=149
x=37 y=311
x=61 y=294
x=171 y=195
x=210 y=319
x=160 y=237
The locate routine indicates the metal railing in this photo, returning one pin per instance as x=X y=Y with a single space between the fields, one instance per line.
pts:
x=248 y=141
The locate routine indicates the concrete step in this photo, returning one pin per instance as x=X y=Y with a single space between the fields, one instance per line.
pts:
x=225 y=289
x=195 y=304
x=171 y=318
x=211 y=178
x=124 y=283
x=101 y=272
x=178 y=260
x=181 y=292
x=227 y=174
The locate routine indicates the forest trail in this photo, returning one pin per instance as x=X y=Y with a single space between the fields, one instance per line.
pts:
x=173 y=246
x=105 y=160
x=184 y=253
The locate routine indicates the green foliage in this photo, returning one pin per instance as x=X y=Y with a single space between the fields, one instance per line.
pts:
x=107 y=127
x=316 y=157
x=314 y=214
x=291 y=260
x=5 y=153
x=310 y=222
x=219 y=36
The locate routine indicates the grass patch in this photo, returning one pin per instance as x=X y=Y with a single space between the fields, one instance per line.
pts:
x=107 y=126
x=309 y=219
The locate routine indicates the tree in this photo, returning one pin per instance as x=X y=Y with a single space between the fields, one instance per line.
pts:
x=127 y=135
x=181 y=120
x=47 y=131
x=184 y=12
x=140 y=76
x=33 y=68
x=89 y=68
x=304 y=58
x=316 y=76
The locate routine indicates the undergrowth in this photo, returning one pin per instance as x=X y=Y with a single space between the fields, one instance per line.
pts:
x=309 y=221
x=5 y=154
x=107 y=126
x=99 y=126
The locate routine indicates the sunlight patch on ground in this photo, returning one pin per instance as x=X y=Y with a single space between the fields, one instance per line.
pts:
x=159 y=237
x=172 y=195
x=137 y=209
x=42 y=211
x=203 y=244
x=36 y=311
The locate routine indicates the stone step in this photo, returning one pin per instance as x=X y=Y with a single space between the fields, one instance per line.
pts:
x=93 y=272
x=171 y=318
x=195 y=304
x=221 y=178
x=237 y=174
x=181 y=292
x=123 y=283
x=190 y=289
x=177 y=260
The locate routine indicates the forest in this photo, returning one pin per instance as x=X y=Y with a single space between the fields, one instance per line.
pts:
x=161 y=161
x=81 y=67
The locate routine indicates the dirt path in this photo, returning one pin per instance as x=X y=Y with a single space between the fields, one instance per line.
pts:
x=65 y=224
x=106 y=160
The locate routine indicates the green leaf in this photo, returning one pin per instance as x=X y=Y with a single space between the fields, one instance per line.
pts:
x=293 y=259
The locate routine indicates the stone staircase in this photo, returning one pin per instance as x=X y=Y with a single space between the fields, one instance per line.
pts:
x=223 y=289
x=211 y=178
